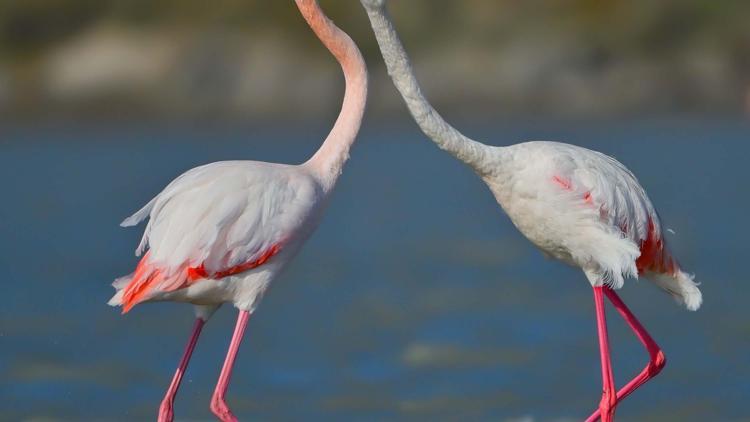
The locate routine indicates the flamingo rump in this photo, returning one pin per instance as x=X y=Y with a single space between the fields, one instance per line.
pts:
x=579 y=206
x=222 y=232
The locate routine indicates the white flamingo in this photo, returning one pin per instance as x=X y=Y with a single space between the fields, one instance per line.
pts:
x=223 y=231
x=577 y=205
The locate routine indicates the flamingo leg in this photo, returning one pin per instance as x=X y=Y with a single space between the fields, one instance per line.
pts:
x=657 y=359
x=218 y=404
x=166 y=412
x=609 y=395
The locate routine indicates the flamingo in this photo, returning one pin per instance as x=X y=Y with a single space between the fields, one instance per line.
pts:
x=579 y=206
x=222 y=232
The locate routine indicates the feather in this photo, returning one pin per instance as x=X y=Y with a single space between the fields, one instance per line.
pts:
x=218 y=220
x=584 y=208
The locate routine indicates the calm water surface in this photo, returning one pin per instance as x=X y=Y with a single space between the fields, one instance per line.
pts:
x=415 y=300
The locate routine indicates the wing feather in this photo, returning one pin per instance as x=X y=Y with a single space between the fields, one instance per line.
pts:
x=223 y=215
x=602 y=215
x=617 y=191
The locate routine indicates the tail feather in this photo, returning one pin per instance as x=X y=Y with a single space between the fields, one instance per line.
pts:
x=146 y=281
x=139 y=289
x=116 y=300
x=657 y=264
x=135 y=288
x=681 y=286
x=119 y=284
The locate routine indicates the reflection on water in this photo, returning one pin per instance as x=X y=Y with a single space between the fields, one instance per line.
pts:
x=415 y=300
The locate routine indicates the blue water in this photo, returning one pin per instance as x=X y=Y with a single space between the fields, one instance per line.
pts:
x=415 y=300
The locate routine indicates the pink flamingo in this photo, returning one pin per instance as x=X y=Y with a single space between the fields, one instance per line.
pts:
x=577 y=205
x=223 y=231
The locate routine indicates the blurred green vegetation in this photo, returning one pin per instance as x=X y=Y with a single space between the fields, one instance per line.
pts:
x=525 y=54
x=31 y=26
x=655 y=27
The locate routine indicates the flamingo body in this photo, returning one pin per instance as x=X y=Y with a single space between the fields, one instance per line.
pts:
x=586 y=209
x=215 y=220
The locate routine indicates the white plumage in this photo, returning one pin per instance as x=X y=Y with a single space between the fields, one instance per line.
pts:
x=587 y=209
x=222 y=215
x=579 y=206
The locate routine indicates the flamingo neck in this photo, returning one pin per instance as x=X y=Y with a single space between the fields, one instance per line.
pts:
x=329 y=160
x=430 y=122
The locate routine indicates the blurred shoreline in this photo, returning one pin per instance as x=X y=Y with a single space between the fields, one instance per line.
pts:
x=491 y=59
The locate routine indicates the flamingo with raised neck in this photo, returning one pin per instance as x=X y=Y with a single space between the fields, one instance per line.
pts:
x=222 y=232
x=577 y=205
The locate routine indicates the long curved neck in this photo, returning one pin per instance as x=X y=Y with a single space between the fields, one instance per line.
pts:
x=330 y=158
x=432 y=124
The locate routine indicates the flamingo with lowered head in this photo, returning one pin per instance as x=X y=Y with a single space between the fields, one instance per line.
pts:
x=577 y=205
x=222 y=232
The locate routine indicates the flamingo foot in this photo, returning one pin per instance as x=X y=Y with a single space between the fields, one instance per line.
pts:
x=656 y=363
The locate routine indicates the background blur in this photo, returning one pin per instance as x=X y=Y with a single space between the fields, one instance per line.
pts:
x=243 y=59
x=416 y=299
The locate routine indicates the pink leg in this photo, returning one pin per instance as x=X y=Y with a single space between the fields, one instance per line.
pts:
x=609 y=398
x=218 y=404
x=656 y=361
x=166 y=413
